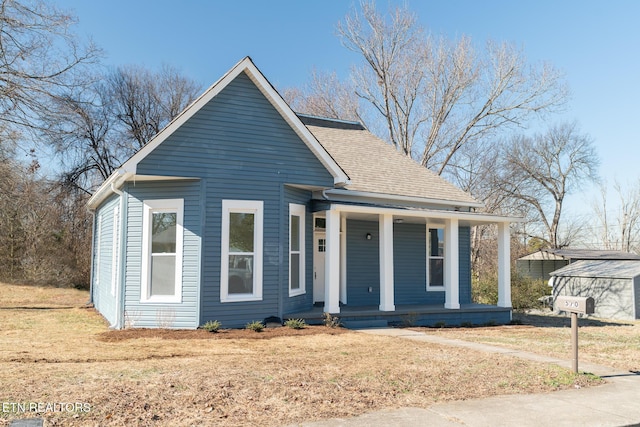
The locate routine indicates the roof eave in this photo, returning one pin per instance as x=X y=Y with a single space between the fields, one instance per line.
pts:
x=343 y=195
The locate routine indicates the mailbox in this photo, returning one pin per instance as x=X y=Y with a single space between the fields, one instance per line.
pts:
x=581 y=305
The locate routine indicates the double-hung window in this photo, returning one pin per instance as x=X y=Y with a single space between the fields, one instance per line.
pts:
x=241 y=254
x=162 y=235
x=435 y=259
x=296 y=249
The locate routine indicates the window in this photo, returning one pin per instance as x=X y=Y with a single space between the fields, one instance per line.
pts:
x=435 y=259
x=296 y=249
x=162 y=234
x=115 y=254
x=241 y=254
x=322 y=245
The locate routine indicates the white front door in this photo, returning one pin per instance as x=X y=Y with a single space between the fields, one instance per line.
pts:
x=319 y=249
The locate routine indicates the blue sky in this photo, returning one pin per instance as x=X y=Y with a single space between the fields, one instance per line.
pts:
x=595 y=43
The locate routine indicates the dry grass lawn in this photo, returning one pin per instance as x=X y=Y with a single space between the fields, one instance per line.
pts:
x=603 y=342
x=52 y=349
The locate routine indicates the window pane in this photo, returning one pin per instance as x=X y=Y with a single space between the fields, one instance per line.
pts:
x=295 y=271
x=436 y=242
x=241 y=232
x=240 y=274
x=320 y=223
x=322 y=245
x=436 y=272
x=163 y=275
x=163 y=232
x=295 y=233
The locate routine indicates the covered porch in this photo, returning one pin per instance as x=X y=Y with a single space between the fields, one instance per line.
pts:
x=410 y=315
x=336 y=298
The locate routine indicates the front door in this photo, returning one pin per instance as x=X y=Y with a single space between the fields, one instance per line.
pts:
x=319 y=249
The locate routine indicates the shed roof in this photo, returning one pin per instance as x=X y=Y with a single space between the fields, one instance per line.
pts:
x=373 y=166
x=614 y=269
x=579 y=254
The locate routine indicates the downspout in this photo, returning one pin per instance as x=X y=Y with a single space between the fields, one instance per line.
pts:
x=119 y=293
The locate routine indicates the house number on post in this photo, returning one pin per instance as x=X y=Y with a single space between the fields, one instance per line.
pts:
x=575 y=305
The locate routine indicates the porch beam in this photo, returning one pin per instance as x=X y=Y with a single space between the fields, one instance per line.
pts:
x=385 y=222
x=504 y=265
x=451 y=264
x=332 y=263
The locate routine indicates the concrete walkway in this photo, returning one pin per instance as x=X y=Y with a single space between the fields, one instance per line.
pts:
x=616 y=403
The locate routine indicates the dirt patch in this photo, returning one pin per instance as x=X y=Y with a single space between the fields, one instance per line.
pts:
x=229 y=334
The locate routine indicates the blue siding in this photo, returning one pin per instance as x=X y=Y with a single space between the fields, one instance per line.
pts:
x=103 y=297
x=363 y=257
x=174 y=315
x=242 y=149
x=464 y=267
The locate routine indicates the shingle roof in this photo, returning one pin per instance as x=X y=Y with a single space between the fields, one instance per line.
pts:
x=578 y=254
x=621 y=269
x=376 y=167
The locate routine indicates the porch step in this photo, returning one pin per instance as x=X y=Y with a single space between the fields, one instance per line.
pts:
x=357 y=324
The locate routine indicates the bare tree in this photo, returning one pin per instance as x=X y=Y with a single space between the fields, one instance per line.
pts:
x=145 y=102
x=546 y=168
x=39 y=58
x=619 y=231
x=94 y=129
x=438 y=95
x=325 y=96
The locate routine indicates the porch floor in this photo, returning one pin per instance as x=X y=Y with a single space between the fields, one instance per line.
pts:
x=410 y=315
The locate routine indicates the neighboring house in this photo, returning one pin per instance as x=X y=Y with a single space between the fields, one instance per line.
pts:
x=240 y=209
x=539 y=265
x=613 y=284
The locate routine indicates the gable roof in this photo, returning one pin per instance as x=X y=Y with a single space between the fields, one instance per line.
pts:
x=375 y=167
x=247 y=66
x=609 y=269
x=579 y=254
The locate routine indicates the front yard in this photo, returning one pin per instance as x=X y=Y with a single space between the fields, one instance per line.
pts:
x=53 y=350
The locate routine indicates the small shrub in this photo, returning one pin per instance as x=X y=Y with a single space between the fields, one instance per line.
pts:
x=295 y=323
x=466 y=325
x=409 y=319
x=491 y=323
x=330 y=321
x=255 y=326
x=440 y=324
x=525 y=292
x=212 y=326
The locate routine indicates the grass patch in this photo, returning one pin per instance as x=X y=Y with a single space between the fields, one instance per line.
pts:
x=168 y=377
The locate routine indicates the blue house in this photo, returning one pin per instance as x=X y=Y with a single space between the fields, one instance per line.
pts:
x=241 y=209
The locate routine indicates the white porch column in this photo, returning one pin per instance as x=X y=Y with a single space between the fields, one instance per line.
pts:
x=451 y=263
x=504 y=265
x=385 y=222
x=343 y=260
x=332 y=263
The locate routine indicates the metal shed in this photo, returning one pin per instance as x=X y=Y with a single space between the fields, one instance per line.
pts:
x=613 y=284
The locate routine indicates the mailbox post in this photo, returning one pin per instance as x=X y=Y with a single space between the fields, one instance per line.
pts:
x=575 y=306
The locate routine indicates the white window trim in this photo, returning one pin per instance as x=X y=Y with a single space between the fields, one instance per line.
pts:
x=150 y=207
x=299 y=211
x=428 y=284
x=115 y=252
x=255 y=207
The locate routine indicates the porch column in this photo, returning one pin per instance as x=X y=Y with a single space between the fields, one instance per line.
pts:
x=385 y=222
x=504 y=265
x=451 y=263
x=332 y=263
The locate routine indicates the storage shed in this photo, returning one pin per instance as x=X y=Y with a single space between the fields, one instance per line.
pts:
x=539 y=265
x=613 y=284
